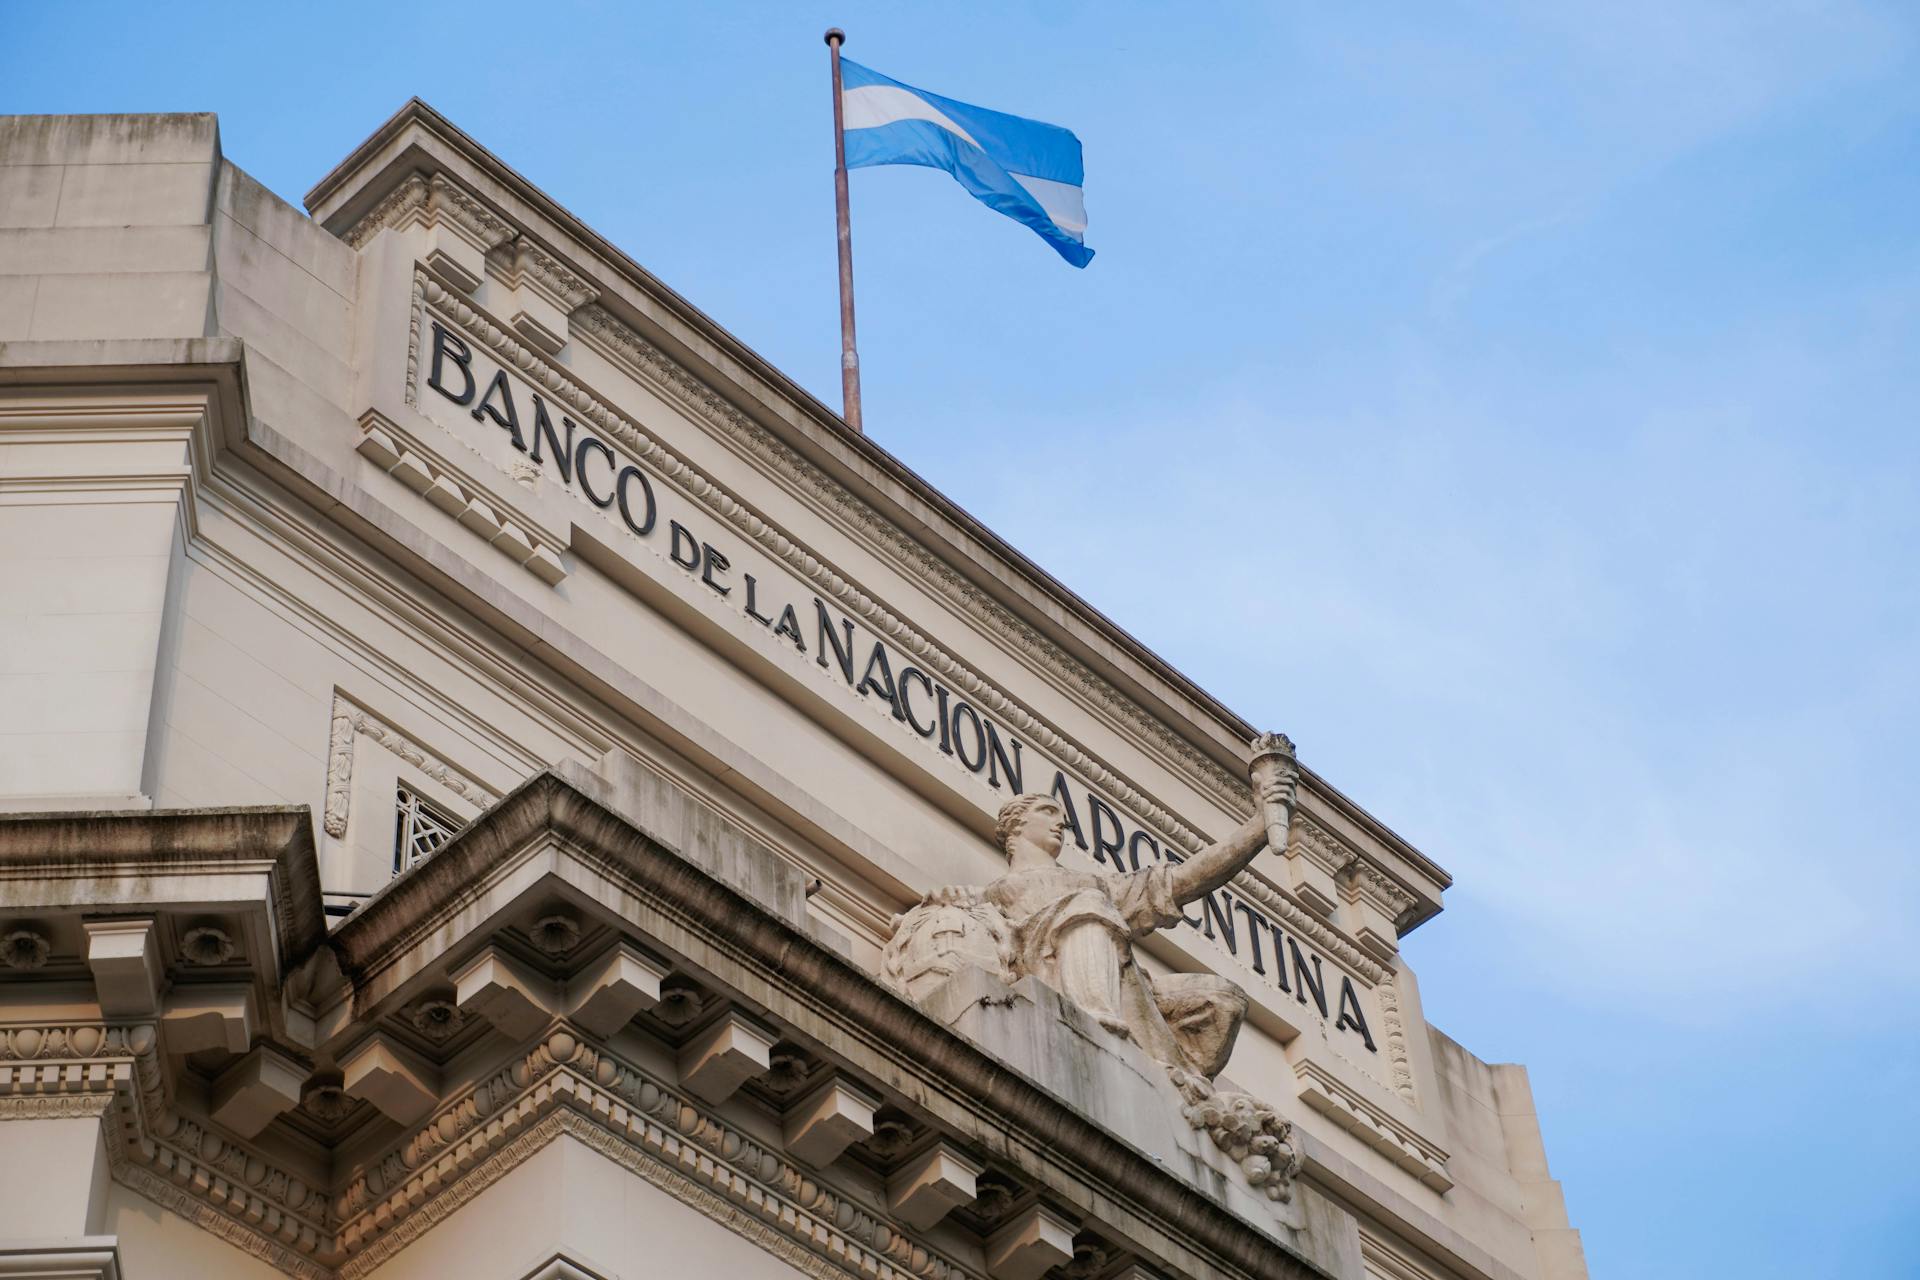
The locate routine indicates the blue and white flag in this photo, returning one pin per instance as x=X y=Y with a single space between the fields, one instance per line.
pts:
x=1025 y=169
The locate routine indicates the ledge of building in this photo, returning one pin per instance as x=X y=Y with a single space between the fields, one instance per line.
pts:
x=146 y=847
x=108 y=359
x=740 y=913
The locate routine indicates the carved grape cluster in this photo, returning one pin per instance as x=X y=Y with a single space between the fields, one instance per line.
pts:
x=1247 y=1129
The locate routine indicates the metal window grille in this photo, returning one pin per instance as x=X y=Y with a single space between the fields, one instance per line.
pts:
x=421 y=829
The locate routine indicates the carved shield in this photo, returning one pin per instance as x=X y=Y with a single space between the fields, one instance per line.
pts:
x=934 y=940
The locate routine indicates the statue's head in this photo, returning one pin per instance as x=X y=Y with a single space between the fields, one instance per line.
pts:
x=1031 y=819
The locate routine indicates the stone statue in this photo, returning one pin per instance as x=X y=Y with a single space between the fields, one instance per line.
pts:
x=1075 y=929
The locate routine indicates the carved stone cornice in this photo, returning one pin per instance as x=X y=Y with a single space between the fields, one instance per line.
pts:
x=1326 y=850
x=430 y=201
x=72 y=1258
x=450 y=200
x=566 y=1083
x=54 y=1107
x=202 y=1213
x=522 y=260
x=232 y=1188
x=1306 y=926
x=68 y=1070
x=251 y=1192
x=1365 y=881
x=394 y=210
x=682 y=1183
x=1372 y=1125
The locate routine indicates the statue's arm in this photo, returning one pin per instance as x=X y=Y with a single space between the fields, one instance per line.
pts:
x=1218 y=863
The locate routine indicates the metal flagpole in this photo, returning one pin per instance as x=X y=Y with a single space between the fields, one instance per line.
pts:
x=849 y=353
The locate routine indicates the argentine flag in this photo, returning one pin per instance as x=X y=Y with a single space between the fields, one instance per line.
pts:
x=1025 y=169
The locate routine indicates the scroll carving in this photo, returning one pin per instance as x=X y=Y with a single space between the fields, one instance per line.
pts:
x=339 y=769
x=1388 y=993
x=427 y=200
x=351 y=723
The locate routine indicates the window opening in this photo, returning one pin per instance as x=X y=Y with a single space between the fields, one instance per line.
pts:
x=422 y=828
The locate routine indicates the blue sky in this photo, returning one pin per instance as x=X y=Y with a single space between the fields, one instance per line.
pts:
x=1516 y=404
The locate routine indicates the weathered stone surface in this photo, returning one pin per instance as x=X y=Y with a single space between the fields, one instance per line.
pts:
x=383 y=1073
x=144 y=305
x=125 y=960
x=208 y=1018
x=1040 y=924
x=623 y=984
x=1075 y=931
x=158 y=138
x=692 y=831
x=131 y=250
x=120 y=195
x=29 y=193
x=493 y=986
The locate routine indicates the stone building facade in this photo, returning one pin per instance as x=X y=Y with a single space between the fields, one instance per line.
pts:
x=499 y=782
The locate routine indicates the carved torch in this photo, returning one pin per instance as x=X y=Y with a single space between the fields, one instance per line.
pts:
x=1273 y=758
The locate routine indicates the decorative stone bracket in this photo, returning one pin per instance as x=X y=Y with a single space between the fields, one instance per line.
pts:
x=380 y=444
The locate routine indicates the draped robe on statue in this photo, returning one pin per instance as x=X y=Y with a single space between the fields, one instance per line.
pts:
x=1187 y=1020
